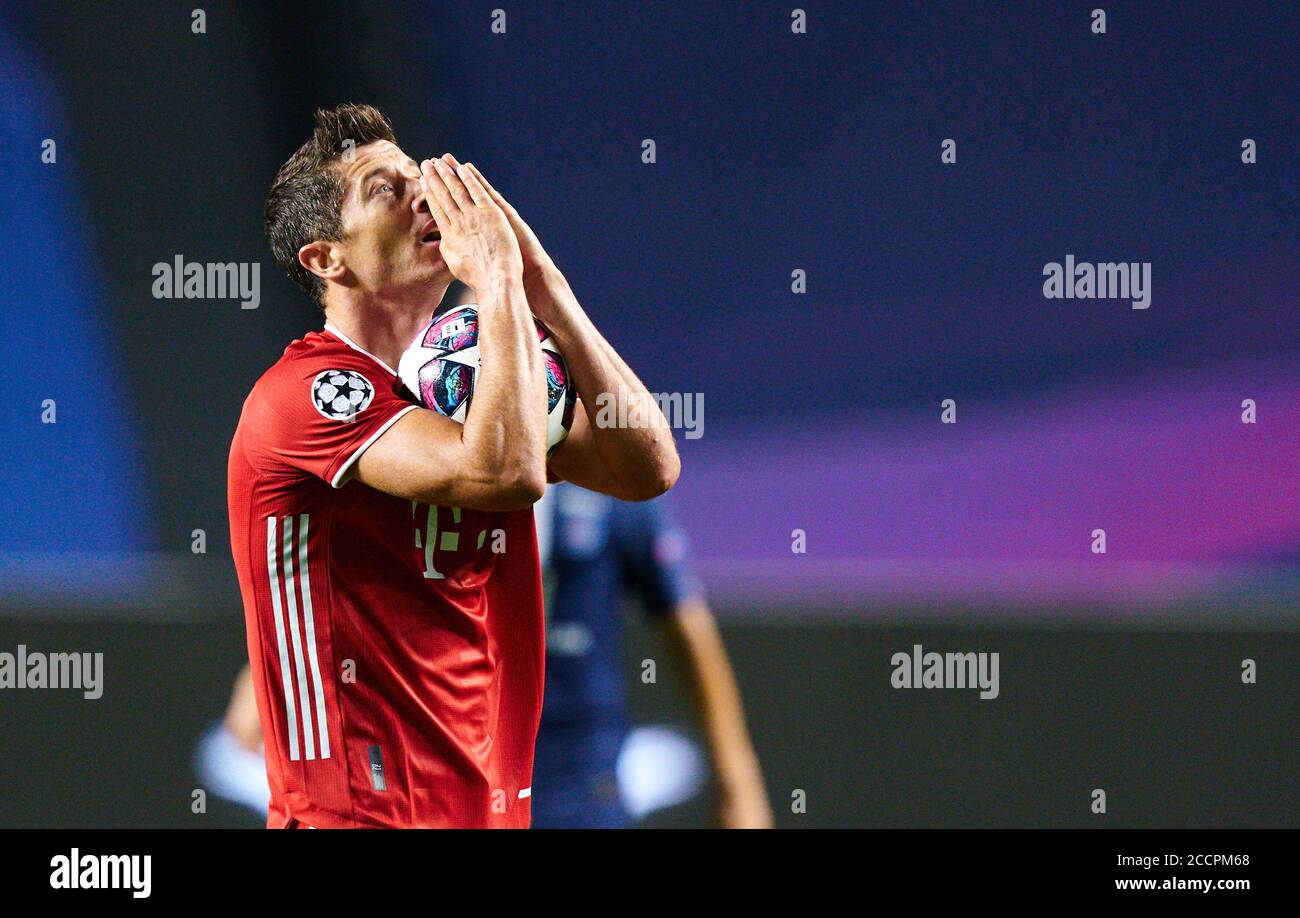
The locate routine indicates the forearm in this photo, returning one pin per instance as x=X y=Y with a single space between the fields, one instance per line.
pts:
x=506 y=426
x=630 y=433
x=241 y=719
x=712 y=685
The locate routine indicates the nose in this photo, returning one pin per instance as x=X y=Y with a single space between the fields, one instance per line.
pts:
x=418 y=203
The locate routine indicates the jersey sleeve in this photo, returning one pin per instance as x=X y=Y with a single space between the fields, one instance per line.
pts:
x=318 y=414
x=654 y=556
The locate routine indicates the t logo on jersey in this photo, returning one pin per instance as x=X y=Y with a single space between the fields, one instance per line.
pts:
x=341 y=395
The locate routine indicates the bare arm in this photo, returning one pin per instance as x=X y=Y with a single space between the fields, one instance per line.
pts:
x=496 y=460
x=693 y=634
x=241 y=714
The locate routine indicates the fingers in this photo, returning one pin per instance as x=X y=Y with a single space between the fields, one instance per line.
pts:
x=495 y=195
x=455 y=187
x=487 y=186
x=475 y=189
x=441 y=203
x=478 y=188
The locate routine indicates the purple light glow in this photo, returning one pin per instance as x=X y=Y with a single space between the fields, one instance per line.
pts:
x=1002 y=504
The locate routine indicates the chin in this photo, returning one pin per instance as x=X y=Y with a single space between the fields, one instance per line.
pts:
x=436 y=284
x=441 y=278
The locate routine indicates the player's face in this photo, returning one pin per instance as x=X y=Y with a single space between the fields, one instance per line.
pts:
x=390 y=242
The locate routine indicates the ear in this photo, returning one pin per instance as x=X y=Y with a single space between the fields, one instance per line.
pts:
x=323 y=259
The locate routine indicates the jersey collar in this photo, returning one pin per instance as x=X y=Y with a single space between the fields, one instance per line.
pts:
x=352 y=344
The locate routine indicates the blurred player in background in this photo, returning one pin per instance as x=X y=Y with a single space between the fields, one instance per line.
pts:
x=229 y=760
x=595 y=550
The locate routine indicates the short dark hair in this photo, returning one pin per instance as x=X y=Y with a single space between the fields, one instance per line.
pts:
x=306 y=198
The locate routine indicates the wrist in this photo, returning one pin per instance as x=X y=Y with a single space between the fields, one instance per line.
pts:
x=551 y=298
x=502 y=272
x=543 y=275
x=542 y=271
x=499 y=287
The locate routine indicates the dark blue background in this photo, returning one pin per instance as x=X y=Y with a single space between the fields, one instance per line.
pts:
x=775 y=151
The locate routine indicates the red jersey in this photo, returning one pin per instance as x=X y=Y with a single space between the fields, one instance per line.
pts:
x=397 y=648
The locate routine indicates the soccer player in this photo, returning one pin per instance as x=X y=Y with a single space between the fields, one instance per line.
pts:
x=594 y=549
x=396 y=656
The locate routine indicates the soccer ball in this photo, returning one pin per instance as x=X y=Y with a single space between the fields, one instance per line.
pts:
x=441 y=365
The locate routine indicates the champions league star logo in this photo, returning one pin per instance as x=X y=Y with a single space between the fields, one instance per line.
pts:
x=341 y=395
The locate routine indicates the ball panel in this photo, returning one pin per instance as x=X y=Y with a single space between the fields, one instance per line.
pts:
x=446 y=386
x=441 y=366
x=453 y=331
x=556 y=379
